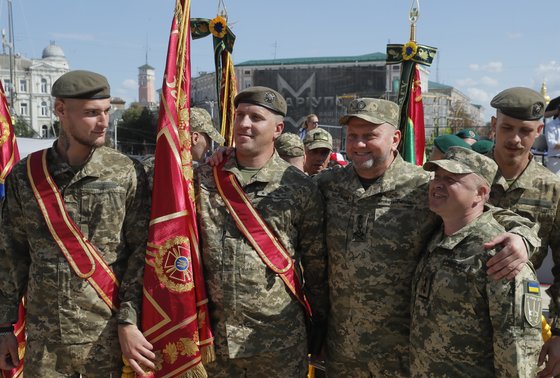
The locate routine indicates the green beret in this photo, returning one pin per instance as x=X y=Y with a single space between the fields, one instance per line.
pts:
x=521 y=103
x=483 y=146
x=263 y=96
x=467 y=133
x=373 y=110
x=289 y=145
x=84 y=85
x=460 y=160
x=444 y=142
x=318 y=138
x=201 y=122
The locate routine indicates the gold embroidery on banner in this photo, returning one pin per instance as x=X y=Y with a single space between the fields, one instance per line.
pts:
x=4 y=130
x=173 y=266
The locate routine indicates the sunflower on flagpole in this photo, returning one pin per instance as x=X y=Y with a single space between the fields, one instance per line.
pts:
x=411 y=123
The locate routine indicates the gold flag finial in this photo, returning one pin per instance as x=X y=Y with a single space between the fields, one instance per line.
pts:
x=413 y=17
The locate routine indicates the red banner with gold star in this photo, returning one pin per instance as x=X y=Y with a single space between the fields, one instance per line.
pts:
x=174 y=308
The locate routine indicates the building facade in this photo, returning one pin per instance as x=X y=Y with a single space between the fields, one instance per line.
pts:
x=28 y=87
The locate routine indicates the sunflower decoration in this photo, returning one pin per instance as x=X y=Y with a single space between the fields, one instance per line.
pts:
x=218 y=27
x=409 y=49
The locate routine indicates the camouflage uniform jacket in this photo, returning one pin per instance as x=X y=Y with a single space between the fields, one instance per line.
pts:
x=251 y=310
x=536 y=195
x=465 y=324
x=108 y=200
x=374 y=241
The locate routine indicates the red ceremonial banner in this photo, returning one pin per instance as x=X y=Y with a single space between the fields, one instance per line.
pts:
x=174 y=309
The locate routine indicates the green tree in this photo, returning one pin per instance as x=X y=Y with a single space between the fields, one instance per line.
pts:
x=22 y=128
x=137 y=131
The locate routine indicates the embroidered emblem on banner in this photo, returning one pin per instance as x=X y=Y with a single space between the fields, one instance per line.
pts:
x=532 y=309
x=172 y=265
x=4 y=130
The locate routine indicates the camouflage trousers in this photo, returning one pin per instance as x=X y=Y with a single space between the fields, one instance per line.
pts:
x=286 y=363
x=391 y=366
x=99 y=360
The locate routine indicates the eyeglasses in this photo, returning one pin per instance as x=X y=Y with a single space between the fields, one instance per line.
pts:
x=315 y=122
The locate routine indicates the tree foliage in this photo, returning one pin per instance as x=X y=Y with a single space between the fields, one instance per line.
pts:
x=136 y=131
x=22 y=128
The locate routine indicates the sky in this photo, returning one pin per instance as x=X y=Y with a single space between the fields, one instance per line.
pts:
x=483 y=46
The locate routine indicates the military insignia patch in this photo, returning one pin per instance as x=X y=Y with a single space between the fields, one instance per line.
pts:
x=532 y=309
x=269 y=97
x=172 y=264
x=360 y=226
x=533 y=287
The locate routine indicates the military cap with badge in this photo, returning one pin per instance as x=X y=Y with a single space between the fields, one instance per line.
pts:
x=263 y=96
x=201 y=122
x=467 y=134
x=521 y=103
x=79 y=84
x=374 y=110
x=318 y=138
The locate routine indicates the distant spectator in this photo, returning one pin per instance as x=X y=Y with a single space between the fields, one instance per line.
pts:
x=552 y=133
x=290 y=148
x=336 y=158
x=468 y=135
x=311 y=122
x=443 y=142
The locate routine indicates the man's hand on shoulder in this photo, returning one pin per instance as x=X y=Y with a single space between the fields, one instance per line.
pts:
x=136 y=348
x=510 y=260
x=219 y=155
x=8 y=351
x=550 y=353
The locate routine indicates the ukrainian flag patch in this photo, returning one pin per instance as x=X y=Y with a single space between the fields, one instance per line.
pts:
x=533 y=287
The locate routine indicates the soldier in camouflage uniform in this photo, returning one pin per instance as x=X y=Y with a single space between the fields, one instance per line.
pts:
x=259 y=327
x=465 y=324
x=378 y=223
x=526 y=187
x=318 y=146
x=290 y=148
x=70 y=330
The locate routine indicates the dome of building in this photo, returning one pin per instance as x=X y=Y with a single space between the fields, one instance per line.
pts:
x=53 y=51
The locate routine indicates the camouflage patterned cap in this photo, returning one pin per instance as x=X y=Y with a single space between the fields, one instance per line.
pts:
x=467 y=133
x=521 y=103
x=201 y=122
x=264 y=97
x=289 y=145
x=373 y=110
x=318 y=138
x=85 y=85
x=461 y=161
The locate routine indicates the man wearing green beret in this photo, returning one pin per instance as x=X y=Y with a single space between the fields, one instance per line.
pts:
x=529 y=189
x=262 y=246
x=378 y=224
x=443 y=142
x=74 y=232
x=468 y=135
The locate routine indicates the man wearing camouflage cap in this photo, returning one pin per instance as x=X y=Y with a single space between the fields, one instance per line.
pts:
x=75 y=246
x=378 y=223
x=290 y=148
x=318 y=146
x=526 y=187
x=463 y=322
x=254 y=278
x=203 y=133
